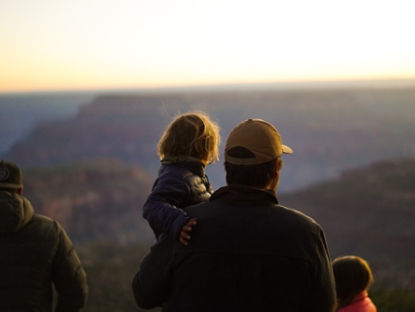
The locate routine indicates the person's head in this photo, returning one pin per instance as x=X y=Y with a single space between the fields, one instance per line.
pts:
x=190 y=135
x=11 y=177
x=253 y=154
x=353 y=275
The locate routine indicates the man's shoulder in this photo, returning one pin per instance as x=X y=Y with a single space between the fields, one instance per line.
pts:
x=296 y=220
x=198 y=208
x=297 y=215
x=44 y=224
x=42 y=219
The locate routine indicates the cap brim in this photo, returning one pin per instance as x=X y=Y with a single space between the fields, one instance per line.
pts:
x=286 y=149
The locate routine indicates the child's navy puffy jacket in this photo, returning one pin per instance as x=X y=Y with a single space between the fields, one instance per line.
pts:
x=179 y=184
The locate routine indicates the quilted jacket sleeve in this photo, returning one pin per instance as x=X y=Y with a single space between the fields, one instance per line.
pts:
x=68 y=275
x=161 y=208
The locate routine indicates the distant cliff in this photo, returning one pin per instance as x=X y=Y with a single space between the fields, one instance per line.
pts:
x=20 y=113
x=329 y=130
x=97 y=200
x=369 y=212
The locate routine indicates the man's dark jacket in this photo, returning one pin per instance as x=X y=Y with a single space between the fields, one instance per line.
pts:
x=34 y=253
x=247 y=253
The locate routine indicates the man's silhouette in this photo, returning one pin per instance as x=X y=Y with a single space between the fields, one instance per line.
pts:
x=247 y=252
x=35 y=253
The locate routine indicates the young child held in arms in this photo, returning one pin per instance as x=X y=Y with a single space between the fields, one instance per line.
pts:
x=353 y=278
x=188 y=144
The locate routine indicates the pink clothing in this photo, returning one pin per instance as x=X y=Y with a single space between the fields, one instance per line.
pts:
x=361 y=303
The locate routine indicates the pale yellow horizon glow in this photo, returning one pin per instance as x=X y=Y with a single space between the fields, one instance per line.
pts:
x=81 y=44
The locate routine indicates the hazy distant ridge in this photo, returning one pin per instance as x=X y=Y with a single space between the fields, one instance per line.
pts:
x=329 y=130
x=99 y=200
x=369 y=212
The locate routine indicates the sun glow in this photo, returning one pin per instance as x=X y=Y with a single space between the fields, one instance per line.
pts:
x=96 y=44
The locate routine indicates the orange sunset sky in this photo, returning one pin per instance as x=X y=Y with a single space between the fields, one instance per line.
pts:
x=81 y=44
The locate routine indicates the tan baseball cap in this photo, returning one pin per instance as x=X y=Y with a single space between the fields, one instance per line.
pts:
x=261 y=138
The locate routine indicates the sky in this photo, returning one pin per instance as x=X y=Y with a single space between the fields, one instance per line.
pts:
x=91 y=44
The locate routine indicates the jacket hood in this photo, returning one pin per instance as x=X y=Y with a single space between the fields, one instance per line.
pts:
x=194 y=166
x=15 y=212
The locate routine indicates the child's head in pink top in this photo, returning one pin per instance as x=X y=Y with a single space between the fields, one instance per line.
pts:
x=353 y=275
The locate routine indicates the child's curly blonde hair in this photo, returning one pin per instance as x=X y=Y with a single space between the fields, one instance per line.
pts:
x=190 y=135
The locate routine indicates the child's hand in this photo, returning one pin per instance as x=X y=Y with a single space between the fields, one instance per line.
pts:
x=184 y=236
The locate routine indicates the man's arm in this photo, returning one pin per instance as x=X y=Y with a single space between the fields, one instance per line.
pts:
x=68 y=275
x=151 y=283
x=323 y=289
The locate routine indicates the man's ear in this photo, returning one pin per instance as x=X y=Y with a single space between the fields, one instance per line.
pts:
x=276 y=179
x=20 y=190
x=278 y=164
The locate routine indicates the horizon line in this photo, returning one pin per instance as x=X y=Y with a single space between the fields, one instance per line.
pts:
x=281 y=85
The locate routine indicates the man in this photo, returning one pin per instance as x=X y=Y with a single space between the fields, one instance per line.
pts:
x=35 y=253
x=247 y=252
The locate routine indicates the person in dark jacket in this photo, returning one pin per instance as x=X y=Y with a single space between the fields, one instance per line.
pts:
x=248 y=252
x=189 y=143
x=35 y=253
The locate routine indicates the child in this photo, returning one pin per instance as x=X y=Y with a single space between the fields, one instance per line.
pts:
x=353 y=279
x=188 y=144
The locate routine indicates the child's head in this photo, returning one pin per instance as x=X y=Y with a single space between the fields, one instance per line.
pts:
x=190 y=135
x=353 y=275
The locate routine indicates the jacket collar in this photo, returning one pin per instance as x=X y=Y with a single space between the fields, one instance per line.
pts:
x=360 y=296
x=245 y=192
x=190 y=163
